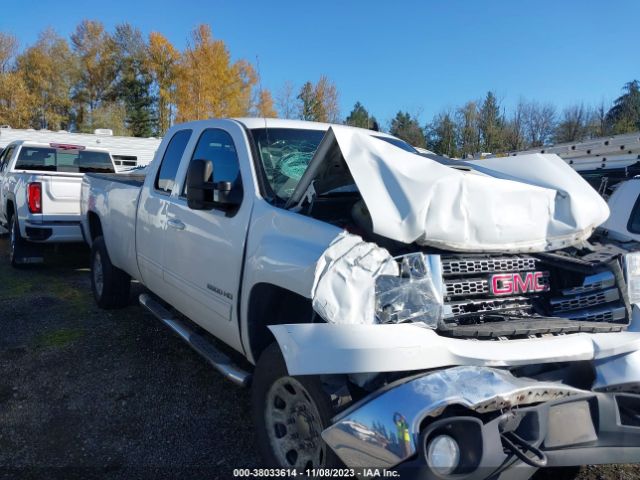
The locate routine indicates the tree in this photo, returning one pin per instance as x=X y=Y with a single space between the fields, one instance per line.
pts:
x=359 y=117
x=264 y=105
x=407 y=128
x=286 y=101
x=16 y=102
x=133 y=85
x=97 y=66
x=514 y=129
x=491 y=125
x=48 y=71
x=8 y=48
x=624 y=115
x=467 y=120
x=573 y=126
x=442 y=135
x=208 y=84
x=162 y=61
x=539 y=122
x=319 y=102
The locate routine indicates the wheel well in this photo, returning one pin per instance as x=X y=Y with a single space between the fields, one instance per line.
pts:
x=95 y=227
x=10 y=210
x=273 y=305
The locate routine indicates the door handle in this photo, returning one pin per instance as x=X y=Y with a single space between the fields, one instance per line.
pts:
x=175 y=223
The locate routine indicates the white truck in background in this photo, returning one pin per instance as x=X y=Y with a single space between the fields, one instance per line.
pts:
x=389 y=310
x=40 y=194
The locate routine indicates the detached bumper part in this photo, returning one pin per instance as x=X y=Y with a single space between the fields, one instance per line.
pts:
x=486 y=411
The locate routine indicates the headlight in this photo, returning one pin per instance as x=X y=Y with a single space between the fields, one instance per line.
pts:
x=415 y=295
x=443 y=454
x=632 y=271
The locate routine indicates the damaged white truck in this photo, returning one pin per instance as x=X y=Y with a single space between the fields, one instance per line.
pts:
x=389 y=310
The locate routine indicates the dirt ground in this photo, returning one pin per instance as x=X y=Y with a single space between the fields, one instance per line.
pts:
x=86 y=393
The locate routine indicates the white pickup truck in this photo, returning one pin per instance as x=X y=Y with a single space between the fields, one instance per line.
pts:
x=389 y=310
x=40 y=193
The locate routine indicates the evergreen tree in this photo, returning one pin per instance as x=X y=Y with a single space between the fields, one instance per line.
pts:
x=624 y=116
x=407 y=128
x=491 y=125
x=359 y=117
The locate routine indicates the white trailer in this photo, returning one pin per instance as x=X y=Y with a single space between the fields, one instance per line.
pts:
x=126 y=151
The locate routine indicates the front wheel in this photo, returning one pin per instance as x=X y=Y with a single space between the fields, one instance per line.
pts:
x=110 y=285
x=289 y=416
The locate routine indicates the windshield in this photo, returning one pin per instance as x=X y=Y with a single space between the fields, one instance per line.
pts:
x=285 y=154
x=63 y=160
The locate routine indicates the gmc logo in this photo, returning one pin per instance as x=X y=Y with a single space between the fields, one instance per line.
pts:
x=515 y=283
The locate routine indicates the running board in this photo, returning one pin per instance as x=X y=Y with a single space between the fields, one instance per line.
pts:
x=200 y=344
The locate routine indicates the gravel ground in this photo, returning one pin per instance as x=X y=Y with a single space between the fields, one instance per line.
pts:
x=86 y=393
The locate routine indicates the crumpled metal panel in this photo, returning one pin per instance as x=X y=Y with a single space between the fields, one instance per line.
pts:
x=517 y=204
x=383 y=431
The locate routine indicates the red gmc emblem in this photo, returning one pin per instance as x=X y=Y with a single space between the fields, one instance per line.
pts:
x=515 y=283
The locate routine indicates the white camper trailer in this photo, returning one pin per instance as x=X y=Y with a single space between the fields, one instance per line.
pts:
x=127 y=152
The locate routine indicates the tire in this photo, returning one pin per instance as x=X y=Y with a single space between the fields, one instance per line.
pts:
x=17 y=244
x=285 y=406
x=110 y=285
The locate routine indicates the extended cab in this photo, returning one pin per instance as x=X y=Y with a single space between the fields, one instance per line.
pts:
x=388 y=309
x=40 y=193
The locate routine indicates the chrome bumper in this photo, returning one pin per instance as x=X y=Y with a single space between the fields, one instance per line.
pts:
x=391 y=427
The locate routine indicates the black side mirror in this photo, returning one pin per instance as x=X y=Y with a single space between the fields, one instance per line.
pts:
x=199 y=190
x=204 y=194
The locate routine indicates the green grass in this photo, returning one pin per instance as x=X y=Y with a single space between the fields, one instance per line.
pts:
x=59 y=338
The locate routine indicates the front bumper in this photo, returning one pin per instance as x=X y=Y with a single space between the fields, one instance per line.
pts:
x=480 y=406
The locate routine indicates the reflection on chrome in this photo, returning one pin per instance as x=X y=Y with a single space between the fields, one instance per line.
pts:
x=384 y=431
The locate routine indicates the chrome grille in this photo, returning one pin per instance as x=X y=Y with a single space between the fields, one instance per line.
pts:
x=472 y=286
x=584 y=300
x=460 y=266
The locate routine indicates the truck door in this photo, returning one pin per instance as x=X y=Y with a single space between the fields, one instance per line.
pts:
x=151 y=221
x=5 y=158
x=204 y=248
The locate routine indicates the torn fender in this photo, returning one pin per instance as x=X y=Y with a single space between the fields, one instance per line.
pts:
x=321 y=348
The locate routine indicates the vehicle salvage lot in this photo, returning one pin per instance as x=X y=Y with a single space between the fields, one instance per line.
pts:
x=114 y=394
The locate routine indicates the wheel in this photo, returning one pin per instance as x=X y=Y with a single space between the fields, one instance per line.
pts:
x=289 y=414
x=109 y=284
x=17 y=244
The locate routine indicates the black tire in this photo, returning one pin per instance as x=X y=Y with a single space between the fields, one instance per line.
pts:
x=110 y=285
x=17 y=244
x=269 y=378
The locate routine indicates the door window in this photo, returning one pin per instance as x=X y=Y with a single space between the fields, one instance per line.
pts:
x=4 y=158
x=166 y=178
x=217 y=146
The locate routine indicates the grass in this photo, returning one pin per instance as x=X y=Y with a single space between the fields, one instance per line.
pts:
x=59 y=338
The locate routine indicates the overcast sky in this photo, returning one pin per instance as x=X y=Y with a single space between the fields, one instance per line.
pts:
x=416 y=56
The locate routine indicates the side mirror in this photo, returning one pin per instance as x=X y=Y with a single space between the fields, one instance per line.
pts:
x=204 y=194
x=199 y=190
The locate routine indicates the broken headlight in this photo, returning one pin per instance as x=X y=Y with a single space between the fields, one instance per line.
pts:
x=632 y=271
x=413 y=296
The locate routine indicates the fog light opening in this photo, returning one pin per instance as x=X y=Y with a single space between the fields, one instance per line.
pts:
x=443 y=454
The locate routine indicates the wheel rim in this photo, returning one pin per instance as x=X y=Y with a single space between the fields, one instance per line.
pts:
x=294 y=425
x=98 y=280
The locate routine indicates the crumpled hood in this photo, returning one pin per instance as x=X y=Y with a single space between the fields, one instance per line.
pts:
x=525 y=203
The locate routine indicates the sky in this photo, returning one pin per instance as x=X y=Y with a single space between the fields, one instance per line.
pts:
x=417 y=56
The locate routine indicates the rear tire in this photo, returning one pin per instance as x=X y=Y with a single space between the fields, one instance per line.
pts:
x=110 y=285
x=17 y=244
x=289 y=414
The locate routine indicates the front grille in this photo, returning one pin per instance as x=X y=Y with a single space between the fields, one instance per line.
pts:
x=589 y=298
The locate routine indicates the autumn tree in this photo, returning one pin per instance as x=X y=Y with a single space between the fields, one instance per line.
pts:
x=8 y=48
x=162 y=61
x=359 y=117
x=209 y=84
x=406 y=127
x=573 y=126
x=97 y=65
x=49 y=72
x=264 y=105
x=539 y=122
x=319 y=102
x=16 y=102
x=467 y=119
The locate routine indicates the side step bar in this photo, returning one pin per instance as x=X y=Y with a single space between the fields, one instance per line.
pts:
x=200 y=344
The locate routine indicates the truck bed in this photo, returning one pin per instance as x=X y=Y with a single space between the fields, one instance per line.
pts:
x=133 y=179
